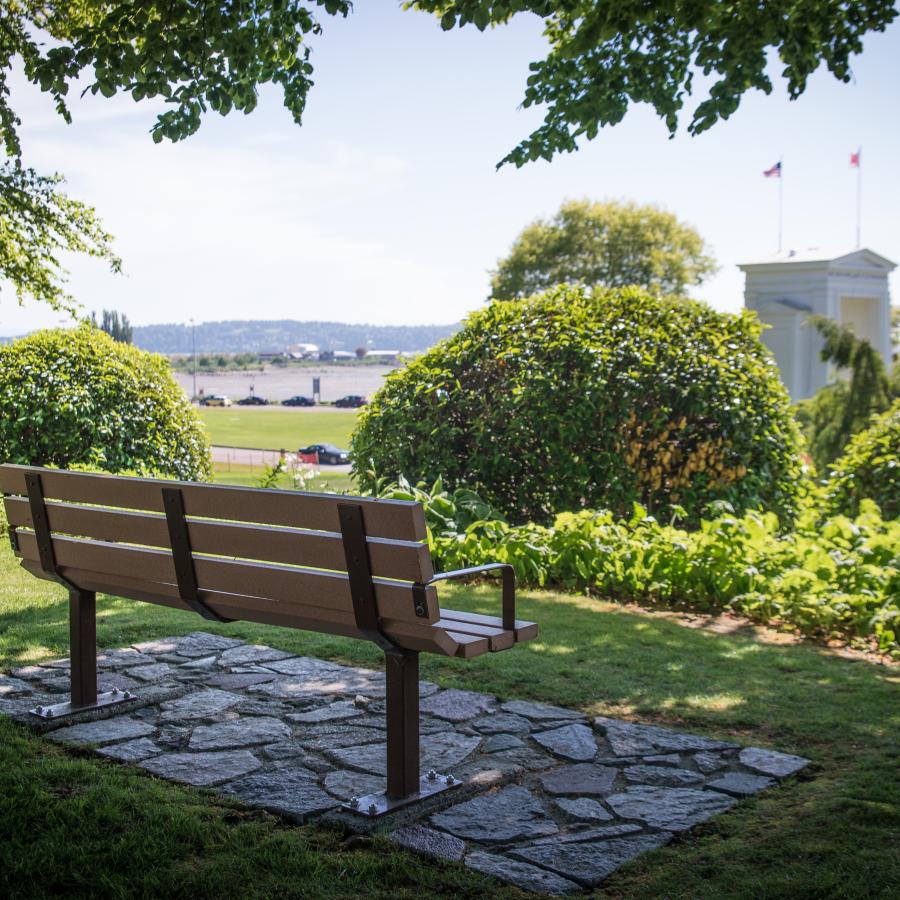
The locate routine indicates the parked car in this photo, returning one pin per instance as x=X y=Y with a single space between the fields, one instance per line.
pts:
x=253 y=401
x=328 y=454
x=351 y=401
x=298 y=401
x=215 y=400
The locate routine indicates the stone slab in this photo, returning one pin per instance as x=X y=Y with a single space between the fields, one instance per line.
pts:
x=583 y=809
x=574 y=742
x=239 y=733
x=671 y=809
x=497 y=742
x=340 y=710
x=428 y=842
x=250 y=654
x=202 y=769
x=497 y=723
x=457 y=706
x=198 y=705
x=235 y=682
x=629 y=738
x=770 y=762
x=510 y=814
x=584 y=780
x=540 y=712
x=103 y=731
x=9 y=687
x=590 y=862
x=291 y=792
x=131 y=751
x=152 y=672
x=522 y=875
x=662 y=775
x=740 y=784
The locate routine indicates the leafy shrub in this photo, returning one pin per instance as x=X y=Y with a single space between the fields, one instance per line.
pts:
x=870 y=468
x=575 y=399
x=77 y=397
x=831 y=576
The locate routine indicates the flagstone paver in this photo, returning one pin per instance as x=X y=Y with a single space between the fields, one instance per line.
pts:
x=551 y=801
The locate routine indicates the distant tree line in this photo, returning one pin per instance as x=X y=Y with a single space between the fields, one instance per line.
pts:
x=253 y=336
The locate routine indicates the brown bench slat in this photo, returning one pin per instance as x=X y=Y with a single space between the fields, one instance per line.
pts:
x=411 y=635
x=397 y=519
x=297 y=587
x=524 y=631
x=497 y=637
x=403 y=560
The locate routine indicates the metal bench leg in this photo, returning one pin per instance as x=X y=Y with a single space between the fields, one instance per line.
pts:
x=402 y=708
x=82 y=662
x=83 y=647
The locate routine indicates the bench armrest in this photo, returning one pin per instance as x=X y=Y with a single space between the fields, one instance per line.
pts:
x=509 y=587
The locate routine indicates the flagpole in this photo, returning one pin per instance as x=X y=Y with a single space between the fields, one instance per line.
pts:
x=780 y=202
x=859 y=197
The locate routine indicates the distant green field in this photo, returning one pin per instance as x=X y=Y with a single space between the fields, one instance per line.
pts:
x=277 y=429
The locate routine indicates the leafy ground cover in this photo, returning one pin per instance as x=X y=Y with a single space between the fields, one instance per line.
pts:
x=274 y=429
x=829 y=576
x=73 y=825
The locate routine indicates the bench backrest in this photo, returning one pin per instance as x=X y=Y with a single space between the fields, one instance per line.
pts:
x=270 y=556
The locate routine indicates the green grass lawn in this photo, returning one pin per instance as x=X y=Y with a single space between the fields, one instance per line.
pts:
x=72 y=825
x=274 y=429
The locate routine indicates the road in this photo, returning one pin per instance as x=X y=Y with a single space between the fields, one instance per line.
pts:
x=244 y=456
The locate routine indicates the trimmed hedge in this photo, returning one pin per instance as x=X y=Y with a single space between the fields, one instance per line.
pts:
x=870 y=468
x=577 y=398
x=77 y=397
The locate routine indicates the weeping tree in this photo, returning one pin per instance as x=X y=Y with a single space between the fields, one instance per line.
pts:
x=846 y=407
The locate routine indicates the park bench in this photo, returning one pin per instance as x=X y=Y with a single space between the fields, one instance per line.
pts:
x=341 y=565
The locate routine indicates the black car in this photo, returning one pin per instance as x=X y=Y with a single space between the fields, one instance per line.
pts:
x=328 y=454
x=298 y=401
x=253 y=401
x=351 y=401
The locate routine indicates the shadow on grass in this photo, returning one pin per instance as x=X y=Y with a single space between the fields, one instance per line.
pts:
x=831 y=832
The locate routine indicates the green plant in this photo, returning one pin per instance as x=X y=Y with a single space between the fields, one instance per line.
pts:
x=870 y=468
x=78 y=397
x=600 y=399
x=831 y=576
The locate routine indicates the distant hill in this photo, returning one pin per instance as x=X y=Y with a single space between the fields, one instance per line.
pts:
x=257 y=336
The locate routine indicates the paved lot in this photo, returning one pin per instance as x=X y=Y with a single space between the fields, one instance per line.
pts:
x=549 y=799
x=279 y=384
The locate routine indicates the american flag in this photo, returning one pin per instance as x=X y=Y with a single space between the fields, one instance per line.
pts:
x=856 y=159
x=774 y=172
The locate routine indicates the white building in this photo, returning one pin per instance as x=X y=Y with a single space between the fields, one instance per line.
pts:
x=786 y=289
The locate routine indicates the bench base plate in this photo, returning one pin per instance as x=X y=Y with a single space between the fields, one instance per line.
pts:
x=374 y=805
x=64 y=710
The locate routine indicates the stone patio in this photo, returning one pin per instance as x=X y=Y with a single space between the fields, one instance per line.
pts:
x=549 y=800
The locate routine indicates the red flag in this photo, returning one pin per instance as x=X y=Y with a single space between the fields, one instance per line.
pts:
x=856 y=159
x=774 y=172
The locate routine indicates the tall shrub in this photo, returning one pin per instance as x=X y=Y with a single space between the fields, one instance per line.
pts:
x=79 y=397
x=870 y=468
x=578 y=398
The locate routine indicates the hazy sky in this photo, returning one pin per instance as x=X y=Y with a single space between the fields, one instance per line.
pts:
x=385 y=206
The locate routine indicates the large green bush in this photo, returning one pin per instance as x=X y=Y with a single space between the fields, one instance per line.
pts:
x=870 y=468
x=77 y=397
x=598 y=399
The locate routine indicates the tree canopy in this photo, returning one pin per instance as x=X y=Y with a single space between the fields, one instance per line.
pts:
x=205 y=55
x=604 y=57
x=609 y=244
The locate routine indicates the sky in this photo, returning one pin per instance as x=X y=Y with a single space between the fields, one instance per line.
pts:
x=385 y=206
